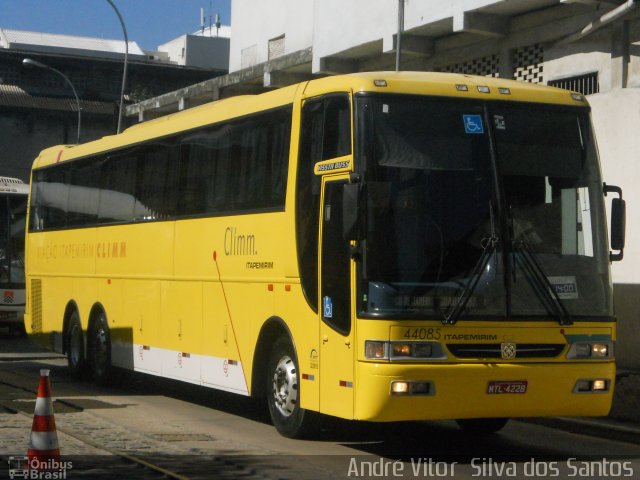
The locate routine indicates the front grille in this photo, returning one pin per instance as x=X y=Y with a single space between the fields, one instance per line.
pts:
x=494 y=350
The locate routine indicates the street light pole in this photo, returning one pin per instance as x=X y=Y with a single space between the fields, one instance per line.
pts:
x=399 y=33
x=33 y=63
x=126 y=58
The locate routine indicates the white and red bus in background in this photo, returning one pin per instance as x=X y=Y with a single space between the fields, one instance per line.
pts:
x=13 y=208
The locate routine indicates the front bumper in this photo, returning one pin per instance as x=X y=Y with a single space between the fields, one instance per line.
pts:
x=460 y=391
x=11 y=316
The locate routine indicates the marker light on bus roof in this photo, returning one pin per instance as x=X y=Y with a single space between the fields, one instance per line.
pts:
x=462 y=88
x=578 y=97
x=484 y=89
x=380 y=83
x=504 y=91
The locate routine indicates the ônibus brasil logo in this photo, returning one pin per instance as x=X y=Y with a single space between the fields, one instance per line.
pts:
x=50 y=469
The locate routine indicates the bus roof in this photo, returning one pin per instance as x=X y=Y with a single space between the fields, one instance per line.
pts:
x=419 y=83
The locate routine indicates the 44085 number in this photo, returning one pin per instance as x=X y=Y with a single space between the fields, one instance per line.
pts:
x=422 y=334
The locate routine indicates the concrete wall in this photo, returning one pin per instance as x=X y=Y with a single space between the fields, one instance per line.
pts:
x=592 y=54
x=616 y=117
x=336 y=31
x=176 y=49
x=208 y=52
x=345 y=27
x=198 y=51
x=265 y=20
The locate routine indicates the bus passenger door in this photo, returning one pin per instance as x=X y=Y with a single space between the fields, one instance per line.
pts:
x=336 y=333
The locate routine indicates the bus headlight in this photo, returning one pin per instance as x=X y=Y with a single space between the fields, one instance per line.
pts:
x=600 y=350
x=595 y=385
x=590 y=351
x=376 y=350
x=399 y=351
x=413 y=387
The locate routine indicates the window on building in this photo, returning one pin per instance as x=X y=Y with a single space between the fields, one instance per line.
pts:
x=586 y=84
x=249 y=56
x=276 y=47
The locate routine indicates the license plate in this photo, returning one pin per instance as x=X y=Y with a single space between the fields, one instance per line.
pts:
x=496 y=387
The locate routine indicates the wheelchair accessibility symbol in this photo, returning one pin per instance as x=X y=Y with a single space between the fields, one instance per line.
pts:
x=473 y=124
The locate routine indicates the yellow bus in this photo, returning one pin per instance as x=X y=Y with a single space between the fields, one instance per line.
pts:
x=375 y=246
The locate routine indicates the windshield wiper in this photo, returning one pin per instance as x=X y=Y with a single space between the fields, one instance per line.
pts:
x=540 y=283
x=489 y=246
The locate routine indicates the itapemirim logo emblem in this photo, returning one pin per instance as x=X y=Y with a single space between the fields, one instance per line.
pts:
x=508 y=351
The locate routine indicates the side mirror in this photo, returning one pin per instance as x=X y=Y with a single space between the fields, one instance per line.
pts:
x=618 y=222
x=351 y=211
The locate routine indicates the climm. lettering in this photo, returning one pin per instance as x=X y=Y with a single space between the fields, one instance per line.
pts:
x=238 y=244
x=111 y=250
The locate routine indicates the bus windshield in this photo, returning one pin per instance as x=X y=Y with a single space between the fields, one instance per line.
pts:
x=480 y=210
x=12 y=229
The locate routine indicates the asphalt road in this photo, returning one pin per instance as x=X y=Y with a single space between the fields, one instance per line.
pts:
x=201 y=433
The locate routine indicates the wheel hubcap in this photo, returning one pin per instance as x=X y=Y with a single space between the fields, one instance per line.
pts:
x=285 y=386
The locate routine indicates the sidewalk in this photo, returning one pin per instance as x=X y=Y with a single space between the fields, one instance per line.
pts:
x=623 y=423
x=626 y=402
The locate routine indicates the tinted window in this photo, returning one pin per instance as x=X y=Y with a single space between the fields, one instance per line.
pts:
x=117 y=198
x=157 y=178
x=50 y=197
x=84 y=193
x=325 y=134
x=240 y=166
x=336 y=258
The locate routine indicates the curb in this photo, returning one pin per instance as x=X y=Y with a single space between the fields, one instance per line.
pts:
x=21 y=357
x=622 y=424
x=595 y=427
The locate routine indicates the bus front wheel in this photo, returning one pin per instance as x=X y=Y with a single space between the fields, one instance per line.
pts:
x=283 y=393
x=482 y=426
x=75 y=347
x=100 y=350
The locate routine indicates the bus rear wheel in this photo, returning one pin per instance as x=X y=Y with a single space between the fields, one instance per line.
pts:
x=283 y=393
x=76 y=360
x=100 y=351
x=482 y=426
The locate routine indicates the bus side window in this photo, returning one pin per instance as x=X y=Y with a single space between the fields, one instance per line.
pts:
x=84 y=193
x=117 y=197
x=51 y=196
x=325 y=133
x=337 y=127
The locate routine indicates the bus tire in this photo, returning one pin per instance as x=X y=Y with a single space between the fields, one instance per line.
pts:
x=18 y=329
x=76 y=360
x=100 y=350
x=283 y=393
x=482 y=426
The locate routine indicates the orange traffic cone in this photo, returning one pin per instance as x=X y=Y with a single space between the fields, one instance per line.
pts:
x=43 y=443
